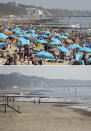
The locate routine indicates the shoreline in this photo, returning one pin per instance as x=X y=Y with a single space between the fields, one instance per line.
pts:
x=36 y=94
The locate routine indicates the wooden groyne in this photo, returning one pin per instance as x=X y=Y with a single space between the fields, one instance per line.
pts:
x=8 y=102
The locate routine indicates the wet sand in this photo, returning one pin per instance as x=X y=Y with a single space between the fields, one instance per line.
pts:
x=45 y=117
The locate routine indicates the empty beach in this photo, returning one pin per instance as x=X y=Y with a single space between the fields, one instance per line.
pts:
x=45 y=117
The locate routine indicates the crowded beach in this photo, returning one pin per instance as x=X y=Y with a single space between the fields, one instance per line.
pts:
x=26 y=44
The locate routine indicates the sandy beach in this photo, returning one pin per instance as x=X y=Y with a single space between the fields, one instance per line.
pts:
x=45 y=117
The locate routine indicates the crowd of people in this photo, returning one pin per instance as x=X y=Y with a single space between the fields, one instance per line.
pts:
x=20 y=45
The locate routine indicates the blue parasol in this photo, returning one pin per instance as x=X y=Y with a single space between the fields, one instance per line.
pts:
x=3 y=44
x=56 y=40
x=54 y=43
x=74 y=46
x=46 y=32
x=32 y=30
x=85 y=49
x=42 y=41
x=23 y=41
x=63 y=37
x=88 y=60
x=44 y=55
x=63 y=49
x=78 y=57
x=3 y=36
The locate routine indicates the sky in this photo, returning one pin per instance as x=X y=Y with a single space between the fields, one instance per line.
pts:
x=63 y=4
x=51 y=72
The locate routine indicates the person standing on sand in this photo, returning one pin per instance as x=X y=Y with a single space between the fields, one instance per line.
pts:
x=21 y=52
x=34 y=101
x=39 y=101
x=15 y=57
x=27 y=52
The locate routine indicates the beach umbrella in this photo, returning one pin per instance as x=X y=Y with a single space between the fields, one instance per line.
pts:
x=16 y=30
x=44 y=55
x=5 y=30
x=88 y=60
x=74 y=46
x=3 y=36
x=54 y=43
x=23 y=31
x=44 y=36
x=8 y=33
x=3 y=44
x=34 y=35
x=78 y=57
x=56 y=40
x=63 y=49
x=23 y=41
x=42 y=41
x=85 y=49
x=67 y=34
x=20 y=35
x=63 y=37
x=24 y=27
x=46 y=32
x=27 y=36
x=87 y=44
x=32 y=30
x=56 y=34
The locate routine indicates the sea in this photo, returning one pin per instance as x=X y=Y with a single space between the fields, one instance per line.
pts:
x=57 y=94
x=82 y=21
x=79 y=22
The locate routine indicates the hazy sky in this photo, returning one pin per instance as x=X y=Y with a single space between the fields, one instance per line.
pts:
x=65 y=4
x=52 y=72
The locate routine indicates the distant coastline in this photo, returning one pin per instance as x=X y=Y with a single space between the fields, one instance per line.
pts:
x=14 y=9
